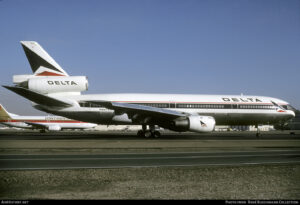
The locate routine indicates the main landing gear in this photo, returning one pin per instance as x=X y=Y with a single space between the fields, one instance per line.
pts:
x=151 y=132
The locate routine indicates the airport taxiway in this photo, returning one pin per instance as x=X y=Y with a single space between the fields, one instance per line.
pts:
x=71 y=150
x=30 y=162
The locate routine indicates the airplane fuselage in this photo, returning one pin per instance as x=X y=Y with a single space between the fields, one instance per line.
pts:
x=51 y=89
x=47 y=121
x=226 y=109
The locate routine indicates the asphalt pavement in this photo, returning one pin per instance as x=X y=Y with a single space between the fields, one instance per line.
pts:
x=22 y=150
x=122 y=160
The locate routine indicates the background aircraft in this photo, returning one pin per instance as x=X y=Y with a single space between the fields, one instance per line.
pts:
x=52 y=90
x=43 y=123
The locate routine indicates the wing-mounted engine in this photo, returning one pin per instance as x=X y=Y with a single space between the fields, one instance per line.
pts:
x=194 y=123
x=52 y=84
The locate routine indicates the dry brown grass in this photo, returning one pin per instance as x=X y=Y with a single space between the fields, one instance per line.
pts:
x=246 y=182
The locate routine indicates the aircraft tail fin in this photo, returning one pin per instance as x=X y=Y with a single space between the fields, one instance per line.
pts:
x=4 y=115
x=42 y=64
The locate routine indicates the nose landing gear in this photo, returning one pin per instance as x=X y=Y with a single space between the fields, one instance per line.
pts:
x=258 y=134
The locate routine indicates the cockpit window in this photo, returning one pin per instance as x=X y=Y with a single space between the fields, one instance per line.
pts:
x=286 y=107
x=289 y=107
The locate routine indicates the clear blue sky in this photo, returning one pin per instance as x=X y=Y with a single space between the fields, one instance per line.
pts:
x=158 y=46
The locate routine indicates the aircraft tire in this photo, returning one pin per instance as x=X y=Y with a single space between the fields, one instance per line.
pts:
x=156 y=134
x=147 y=134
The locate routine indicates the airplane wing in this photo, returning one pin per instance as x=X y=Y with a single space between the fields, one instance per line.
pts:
x=36 y=125
x=140 y=112
x=37 y=97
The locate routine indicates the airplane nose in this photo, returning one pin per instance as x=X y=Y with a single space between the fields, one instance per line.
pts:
x=292 y=113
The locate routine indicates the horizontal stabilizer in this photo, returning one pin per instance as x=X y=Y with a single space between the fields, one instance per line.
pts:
x=37 y=97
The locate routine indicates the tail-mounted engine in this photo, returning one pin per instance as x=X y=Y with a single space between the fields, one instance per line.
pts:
x=52 y=84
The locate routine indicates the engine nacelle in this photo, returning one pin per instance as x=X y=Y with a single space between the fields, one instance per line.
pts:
x=52 y=84
x=54 y=128
x=195 y=123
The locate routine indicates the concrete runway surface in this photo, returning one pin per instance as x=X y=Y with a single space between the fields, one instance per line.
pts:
x=73 y=150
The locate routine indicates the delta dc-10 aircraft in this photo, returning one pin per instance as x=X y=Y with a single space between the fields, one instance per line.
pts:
x=52 y=90
x=42 y=123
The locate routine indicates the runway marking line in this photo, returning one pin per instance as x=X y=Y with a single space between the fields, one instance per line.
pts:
x=137 y=158
x=152 y=166
x=153 y=153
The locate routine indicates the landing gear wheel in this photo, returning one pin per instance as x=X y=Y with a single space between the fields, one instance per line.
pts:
x=147 y=134
x=156 y=134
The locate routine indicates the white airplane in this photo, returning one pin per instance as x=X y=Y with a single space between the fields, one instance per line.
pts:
x=43 y=123
x=52 y=90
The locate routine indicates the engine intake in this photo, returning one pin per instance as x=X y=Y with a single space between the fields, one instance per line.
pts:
x=194 y=123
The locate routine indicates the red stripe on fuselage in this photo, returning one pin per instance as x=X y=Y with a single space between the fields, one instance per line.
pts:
x=44 y=121
x=46 y=73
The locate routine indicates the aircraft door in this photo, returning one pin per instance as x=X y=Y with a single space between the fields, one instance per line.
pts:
x=172 y=105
